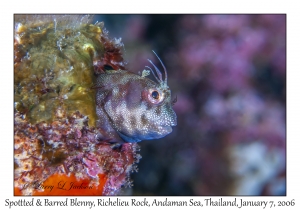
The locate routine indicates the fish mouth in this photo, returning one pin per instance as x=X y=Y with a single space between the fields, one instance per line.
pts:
x=167 y=128
x=168 y=124
x=162 y=131
x=174 y=123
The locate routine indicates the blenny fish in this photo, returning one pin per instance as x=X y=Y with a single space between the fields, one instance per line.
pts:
x=132 y=107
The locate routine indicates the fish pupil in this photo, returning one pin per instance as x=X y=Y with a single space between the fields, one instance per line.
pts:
x=155 y=95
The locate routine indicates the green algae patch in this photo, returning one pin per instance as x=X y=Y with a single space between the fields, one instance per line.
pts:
x=53 y=66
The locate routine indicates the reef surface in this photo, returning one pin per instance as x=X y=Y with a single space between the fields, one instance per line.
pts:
x=58 y=149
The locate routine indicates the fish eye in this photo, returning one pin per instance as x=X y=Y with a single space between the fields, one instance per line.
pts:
x=155 y=94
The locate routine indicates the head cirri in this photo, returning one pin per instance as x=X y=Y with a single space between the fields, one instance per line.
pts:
x=133 y=108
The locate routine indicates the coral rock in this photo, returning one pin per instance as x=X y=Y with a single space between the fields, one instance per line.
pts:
x=58 y=149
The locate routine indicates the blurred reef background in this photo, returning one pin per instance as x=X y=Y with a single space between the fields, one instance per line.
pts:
x=229 y=75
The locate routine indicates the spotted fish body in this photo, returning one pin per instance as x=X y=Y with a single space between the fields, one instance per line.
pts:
x=132 y=108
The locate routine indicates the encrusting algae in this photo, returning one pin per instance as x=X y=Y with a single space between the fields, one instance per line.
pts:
x=58 y=149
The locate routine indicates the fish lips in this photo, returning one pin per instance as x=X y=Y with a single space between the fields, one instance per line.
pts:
x=159 y=132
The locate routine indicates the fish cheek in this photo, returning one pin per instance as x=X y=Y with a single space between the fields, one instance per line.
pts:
x=157 y=110
x=144 y=120
x=133 y=121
